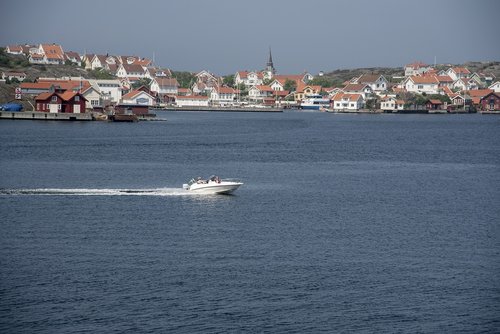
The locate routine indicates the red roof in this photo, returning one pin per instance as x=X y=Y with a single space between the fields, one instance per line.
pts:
x=53 y=51
x=434 y=101
x=424 y=80
x=350 y=97
x=226 y=90
x=15 y=48
x=35 y=85
x=264 y=88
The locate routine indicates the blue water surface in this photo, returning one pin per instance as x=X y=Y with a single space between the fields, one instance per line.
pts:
x=345 y=223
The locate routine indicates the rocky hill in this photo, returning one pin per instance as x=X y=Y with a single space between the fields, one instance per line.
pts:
x=394 y=74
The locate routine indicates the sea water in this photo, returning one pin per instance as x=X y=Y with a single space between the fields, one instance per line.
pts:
x=345 y=223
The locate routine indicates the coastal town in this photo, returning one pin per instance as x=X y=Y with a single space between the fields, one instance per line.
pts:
x=134 y=86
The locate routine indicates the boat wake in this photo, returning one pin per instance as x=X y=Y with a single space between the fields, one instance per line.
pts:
x=97 y=192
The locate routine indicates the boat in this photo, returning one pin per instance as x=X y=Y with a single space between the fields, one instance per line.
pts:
x=315 y=102
x=213 y=185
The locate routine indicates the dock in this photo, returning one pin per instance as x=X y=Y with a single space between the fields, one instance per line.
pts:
x=45 y=116
x=90 y=116
x=220 y=109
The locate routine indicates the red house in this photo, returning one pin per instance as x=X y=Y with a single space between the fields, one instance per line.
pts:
x=60 y=101
x=434 y=105
x=490 y=102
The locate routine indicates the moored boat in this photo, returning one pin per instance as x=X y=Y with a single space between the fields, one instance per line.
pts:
x=315 y=102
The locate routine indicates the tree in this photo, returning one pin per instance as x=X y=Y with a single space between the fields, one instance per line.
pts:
x=290 y=85
x=228 y=80
x=185 y=79
x=323 y=81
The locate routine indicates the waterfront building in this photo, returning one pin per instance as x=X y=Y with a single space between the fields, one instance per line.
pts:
x=304 y=90
x=259 y=92
x=223 y=95
x=348 y=102
x=138 y=97
x=110 y=90
x=165 y=86
x=60 y=101
x=391 y=104
x=490 y=102
x=192 y=101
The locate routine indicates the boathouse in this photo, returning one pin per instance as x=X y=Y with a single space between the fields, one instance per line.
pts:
x=490 y=102
x=60 y=101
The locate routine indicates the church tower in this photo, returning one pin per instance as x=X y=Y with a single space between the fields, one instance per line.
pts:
x=270 y=70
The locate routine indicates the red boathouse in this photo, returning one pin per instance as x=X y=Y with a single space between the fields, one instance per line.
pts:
x=63 y=102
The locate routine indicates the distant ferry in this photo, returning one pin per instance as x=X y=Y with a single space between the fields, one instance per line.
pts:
x=315 y=102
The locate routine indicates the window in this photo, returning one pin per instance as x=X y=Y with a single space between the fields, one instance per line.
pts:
x=77 y=98
x=420 y=87
x=54 y=98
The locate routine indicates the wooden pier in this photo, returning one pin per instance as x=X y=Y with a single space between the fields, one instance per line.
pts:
x=45 y=116
x=220 y=109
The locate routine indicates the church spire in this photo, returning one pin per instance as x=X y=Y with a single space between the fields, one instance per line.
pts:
x=270 y=65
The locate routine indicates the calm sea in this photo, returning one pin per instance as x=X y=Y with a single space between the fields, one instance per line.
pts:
x=346 y=223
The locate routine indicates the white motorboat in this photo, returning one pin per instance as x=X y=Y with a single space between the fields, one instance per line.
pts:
x=315 y=102
x=214 y=185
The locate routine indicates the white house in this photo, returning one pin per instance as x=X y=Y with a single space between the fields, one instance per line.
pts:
x=192 y=101
x=260 y=92
x=277 y=85
x=416 y=68
x=458 y=73
x=248 y=79
x=130 y=71
x=110 y=90
x=138 y=97
x=466 y=84
x=495 y=86
x=93 y=97
x=363 y=89
x=163 y=85
x=378 y=83
x=20 y=76
x=14 y=49
x=348 y=102
x=152 y=73
x=392 y=104
x=223 y=95
x=421 y=84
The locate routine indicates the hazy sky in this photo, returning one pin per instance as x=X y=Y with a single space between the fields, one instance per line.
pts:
x=224 y=36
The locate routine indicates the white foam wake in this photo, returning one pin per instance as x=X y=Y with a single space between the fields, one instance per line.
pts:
x=97 y=192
